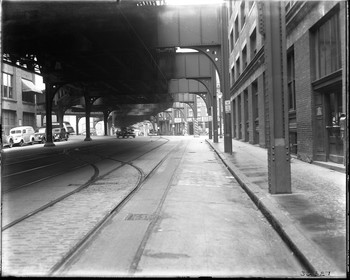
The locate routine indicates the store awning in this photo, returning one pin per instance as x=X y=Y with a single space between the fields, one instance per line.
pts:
x=28 y=86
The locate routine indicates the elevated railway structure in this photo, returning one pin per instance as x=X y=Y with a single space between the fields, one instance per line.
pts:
x=105 y=56
x=120 y=56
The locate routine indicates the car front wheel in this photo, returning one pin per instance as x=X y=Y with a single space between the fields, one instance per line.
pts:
x=21 y=143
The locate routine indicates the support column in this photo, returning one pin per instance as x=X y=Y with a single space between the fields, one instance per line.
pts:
x=210 y=123
x=195 y=120
x=224 y=82
x=275 y=58
x=49 y=94
x=60 y=114
x=88 y=104
x=105 y=121
x=214 y=112
x=77 y=124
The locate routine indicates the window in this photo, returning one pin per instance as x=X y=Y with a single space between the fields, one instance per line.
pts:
x=252 y=40
x=291 y=80
x=231 y=40
x=28 y=96
x=238 y=67
x=236 y=29
x=8 y=120
x=327 y=47
x=7 y=90
x=244 y=57
x=233 y=74
x=242 y=13
x=190 y=113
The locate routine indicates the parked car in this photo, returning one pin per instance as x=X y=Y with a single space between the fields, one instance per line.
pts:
x=125 y=132
x=40 y=135
x=21 y=135
x=66 y=125
x=58 y=134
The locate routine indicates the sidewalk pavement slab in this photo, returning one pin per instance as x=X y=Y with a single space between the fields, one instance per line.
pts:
x=312 y=219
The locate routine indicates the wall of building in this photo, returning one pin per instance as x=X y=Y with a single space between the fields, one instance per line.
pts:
x=301 y=18
x=16 y=112
x=248 y=109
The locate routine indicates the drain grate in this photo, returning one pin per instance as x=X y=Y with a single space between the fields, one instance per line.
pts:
x=140 y=217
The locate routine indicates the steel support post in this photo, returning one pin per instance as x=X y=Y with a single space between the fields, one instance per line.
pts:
x=279 y=171
x=87 y=117
x=49 y=94
x=214 y=112
x=224 y=82
x=195 y=120
x=105 y=122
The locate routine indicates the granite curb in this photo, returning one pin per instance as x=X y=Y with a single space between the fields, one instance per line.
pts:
x=308 y=253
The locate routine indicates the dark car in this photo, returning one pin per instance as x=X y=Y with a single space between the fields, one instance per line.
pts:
x=125 y=132
x=58 y=134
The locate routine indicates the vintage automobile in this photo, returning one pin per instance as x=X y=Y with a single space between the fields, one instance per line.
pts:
x=21 y=135
x=125 y=132
x=66 y=125
x=58 y=134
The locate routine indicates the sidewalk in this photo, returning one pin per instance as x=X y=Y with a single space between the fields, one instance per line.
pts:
x=312 y=219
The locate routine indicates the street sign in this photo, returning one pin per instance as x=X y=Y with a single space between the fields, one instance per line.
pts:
x=227 y=106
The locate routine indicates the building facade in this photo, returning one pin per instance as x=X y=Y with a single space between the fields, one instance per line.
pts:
x=18 y=100
x=316 y=77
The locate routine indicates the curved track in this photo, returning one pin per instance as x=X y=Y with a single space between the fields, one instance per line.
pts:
x=95 y=177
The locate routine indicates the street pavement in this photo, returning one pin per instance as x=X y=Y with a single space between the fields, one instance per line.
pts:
x=312 y=219
x=190 y=218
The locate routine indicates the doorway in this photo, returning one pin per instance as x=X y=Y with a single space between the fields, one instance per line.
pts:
x=334 y=108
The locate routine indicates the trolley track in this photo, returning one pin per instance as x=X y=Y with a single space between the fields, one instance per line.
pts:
x=73 y=165
x=94 y=178
x=80 y=245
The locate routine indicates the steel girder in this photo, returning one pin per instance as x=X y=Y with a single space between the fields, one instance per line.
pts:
x=111 y=48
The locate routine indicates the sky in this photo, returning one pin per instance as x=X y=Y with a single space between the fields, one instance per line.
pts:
x=39 y=82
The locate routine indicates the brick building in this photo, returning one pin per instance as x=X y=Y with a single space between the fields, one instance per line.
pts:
x=316 y=77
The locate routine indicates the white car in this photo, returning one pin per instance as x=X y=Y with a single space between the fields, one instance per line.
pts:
x=21 y=135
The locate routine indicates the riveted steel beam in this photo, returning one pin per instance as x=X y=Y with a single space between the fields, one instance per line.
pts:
x=203 y=29
x=279 y=172
x=186 y=26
